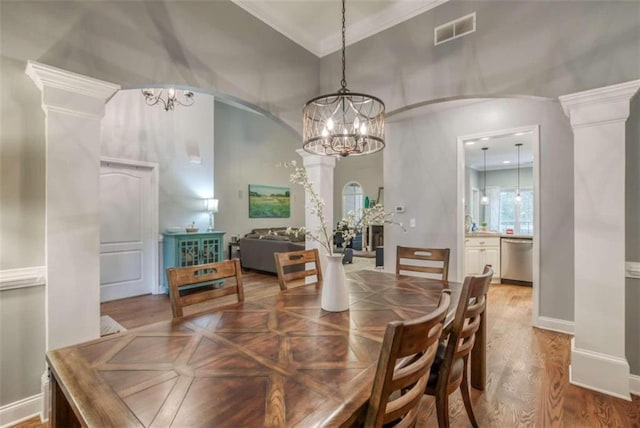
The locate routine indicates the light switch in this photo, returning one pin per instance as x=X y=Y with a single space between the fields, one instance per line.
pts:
x=412 y=222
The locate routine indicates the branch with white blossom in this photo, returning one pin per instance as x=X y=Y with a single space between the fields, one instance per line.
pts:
x=347 y=226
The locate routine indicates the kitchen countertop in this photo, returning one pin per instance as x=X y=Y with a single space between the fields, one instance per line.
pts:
x=504 y=235
x=496 y=235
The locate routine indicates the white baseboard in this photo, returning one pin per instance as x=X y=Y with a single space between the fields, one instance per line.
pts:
x=21 y=410
x=600 y=372
x=557 y=325
x=634 y=384
x=45 y=391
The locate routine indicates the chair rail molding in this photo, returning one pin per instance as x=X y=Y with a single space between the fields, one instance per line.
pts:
x=11 y=279
x=632 y=270
x=598 y=117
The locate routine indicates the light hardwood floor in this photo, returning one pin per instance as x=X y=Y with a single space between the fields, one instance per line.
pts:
x=527 y=370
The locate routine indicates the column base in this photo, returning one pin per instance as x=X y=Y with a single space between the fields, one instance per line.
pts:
x=599 y=372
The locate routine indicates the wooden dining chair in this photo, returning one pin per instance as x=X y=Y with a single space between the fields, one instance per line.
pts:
x=212 y=276
x=291 y=266
x=432 y=261
x=450 y=368
x=408 y=350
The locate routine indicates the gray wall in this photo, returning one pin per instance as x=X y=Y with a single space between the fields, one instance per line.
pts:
x=214 y=45
x=543 y=48
x=249 y=148
x=633 y=234
x=523 y=48
x=366 y=170
x=133 y=130
x=204 y=44
x=22 y=343
x=420 y=170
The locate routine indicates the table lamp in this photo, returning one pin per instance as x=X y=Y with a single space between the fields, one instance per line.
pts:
x=211 y=206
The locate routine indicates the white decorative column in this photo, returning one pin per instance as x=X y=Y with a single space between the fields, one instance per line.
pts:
x=320 y=172
x=74 y=106
x=598 y=119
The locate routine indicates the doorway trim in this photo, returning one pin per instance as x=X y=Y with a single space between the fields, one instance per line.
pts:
x=155 y=182
x=535 y=140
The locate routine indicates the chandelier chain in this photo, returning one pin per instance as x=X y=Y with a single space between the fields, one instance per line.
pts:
x=484 y=186
x=343 y=82
x=343 y=123
x=518 y=168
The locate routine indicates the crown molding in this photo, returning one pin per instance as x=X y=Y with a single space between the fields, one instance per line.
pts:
x=264 y=13
x=396 y=13
x=600 y=105
x=47 y=76
x=620 y=91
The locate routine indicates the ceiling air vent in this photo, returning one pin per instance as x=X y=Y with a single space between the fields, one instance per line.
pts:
x=454 y=29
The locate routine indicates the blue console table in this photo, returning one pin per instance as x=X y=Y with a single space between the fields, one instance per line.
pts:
x=190 y=249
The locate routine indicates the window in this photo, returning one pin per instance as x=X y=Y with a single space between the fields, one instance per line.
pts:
x=352 y=198
x=514 y=216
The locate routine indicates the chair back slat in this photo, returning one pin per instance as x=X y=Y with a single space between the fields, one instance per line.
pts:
x=424 y=260
x=291 y=266
x=465 y=326
x=182 y=277
x=452 y=371
x=408 y=350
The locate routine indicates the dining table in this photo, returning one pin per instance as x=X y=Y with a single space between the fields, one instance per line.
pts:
x=277 y=361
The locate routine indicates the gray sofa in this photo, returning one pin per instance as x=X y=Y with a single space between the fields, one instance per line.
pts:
x=257 y=248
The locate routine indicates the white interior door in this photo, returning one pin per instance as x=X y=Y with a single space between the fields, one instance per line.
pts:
x=127 y=256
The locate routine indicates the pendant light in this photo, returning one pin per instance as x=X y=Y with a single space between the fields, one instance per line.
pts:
x=518 y=196
x=343 y=123
x=485 y=199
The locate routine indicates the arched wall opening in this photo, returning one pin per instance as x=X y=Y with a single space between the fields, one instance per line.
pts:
x=421 y=164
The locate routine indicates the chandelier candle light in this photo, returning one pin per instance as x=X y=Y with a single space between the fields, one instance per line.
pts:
x=485 y=198
x=343 y=123
x=152 y=98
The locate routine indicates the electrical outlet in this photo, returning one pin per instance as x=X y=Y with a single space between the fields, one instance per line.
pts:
x=412 y=222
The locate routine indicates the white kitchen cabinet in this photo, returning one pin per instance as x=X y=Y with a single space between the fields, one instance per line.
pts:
x=481 y=251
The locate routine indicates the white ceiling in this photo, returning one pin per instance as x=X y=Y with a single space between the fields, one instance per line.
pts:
x=316 y=24
x=501 y=149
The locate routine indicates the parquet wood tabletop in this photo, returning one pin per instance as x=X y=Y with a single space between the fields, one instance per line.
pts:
x=276 y=361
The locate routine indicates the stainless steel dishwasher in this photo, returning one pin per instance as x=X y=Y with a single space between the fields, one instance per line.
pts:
x=517 y=259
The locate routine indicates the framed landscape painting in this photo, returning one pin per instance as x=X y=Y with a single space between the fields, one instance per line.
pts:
x=269 y=201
